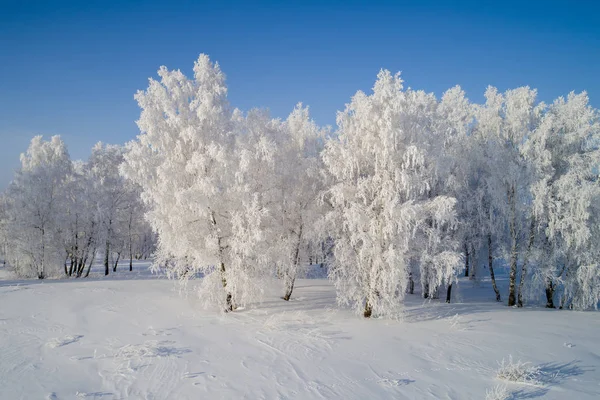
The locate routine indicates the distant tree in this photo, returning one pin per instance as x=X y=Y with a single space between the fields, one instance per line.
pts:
x=35 y=207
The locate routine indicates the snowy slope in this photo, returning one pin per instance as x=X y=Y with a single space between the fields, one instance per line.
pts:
x=140 y=339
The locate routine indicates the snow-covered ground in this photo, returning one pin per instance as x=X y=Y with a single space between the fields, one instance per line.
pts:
x=124 y=338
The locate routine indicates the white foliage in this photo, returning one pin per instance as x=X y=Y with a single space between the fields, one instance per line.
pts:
x=35 y=206
x=383 y=205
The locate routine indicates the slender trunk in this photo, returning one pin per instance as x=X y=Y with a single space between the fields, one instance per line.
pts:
x=289 y=289
x=228 y=299
x=75 y=248
x=513 y=247
x=426 y=291
x=466 y=260
x=130 y=241
x=106 y=255
x=80 y=267
x=449 y=293
x=90 y=264
x=473 y=267
x=292 y=279
x=107 y=249
x=525 y=263
x=549 y=293
x=228 y=302
x=411 y=284
x=86 y=253
x=117 y=262
x=41 y=271
x=491 y=267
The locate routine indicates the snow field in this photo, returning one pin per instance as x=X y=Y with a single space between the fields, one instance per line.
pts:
x=142 y=339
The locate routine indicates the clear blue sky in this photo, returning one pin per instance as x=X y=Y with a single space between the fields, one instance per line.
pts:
x=72 y=67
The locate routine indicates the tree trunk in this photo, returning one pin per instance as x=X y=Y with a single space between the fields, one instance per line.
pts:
x=41 y=270
x=368 y=310
x=106 y=255
x=411 y=284
x=130 y=240
x=229 y=306
x=525 y=262
x=290 y=284
x=549 y=293
x=449 y=293
x=426 y=291
x=75 y=248
x=229 y=303
x=491 y=267
x=80 y=267
x=289 y=290
x=513 y=248
x=90 y=264
x=107 y=251
x=117 y=262
x=466 y=260
x=473 y=267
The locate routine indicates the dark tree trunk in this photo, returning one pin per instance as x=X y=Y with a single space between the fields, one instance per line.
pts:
x=106 y=254
x=466 y=260
x=229 y=306
x=229 y=303
x=292 y=279
x=411 y=285
x=91 y=263
x=107 y=250
x=449 y=293
x=491 y=267
x=368 y=310
x=473 y=261
x=130 y=240
x=289 y=290
x=116 y=262
x=426 y=291
x=512 y=300
x=549 y=294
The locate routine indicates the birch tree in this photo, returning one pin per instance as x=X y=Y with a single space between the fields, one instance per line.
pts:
x=381 y=196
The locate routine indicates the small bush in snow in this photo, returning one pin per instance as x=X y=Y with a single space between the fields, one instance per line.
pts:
x=518 y=371
x=498 y=392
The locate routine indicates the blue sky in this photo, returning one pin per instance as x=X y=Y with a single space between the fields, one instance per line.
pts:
x=72 y=68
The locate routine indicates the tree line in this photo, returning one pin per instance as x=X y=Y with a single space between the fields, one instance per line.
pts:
x=58 y=215
x=407 y=193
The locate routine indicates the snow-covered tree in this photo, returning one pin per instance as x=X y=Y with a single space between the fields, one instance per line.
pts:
x=383 y=166
x=111 y=194
x=505 y=122
x=35 y=201
x=185 y=163
x=565 y=150
x=294 y=192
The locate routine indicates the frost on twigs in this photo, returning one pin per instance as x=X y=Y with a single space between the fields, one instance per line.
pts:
x=498 y=392
x=519 y=372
